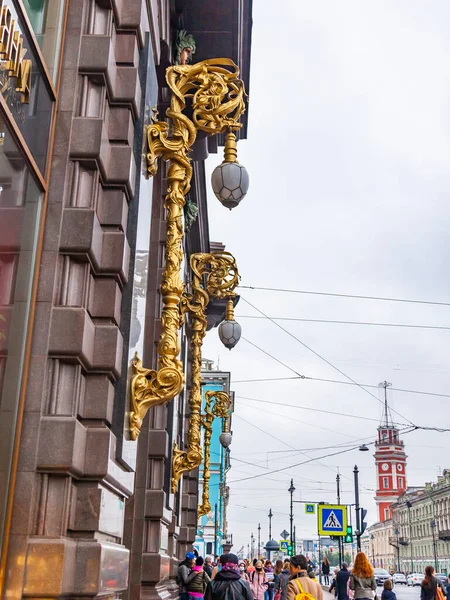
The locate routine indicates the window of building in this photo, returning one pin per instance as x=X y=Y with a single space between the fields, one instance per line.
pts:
x=20 y=210
x=386 y=513
x=385 y=482
x=46 y=18
x=208 y=547
x=400 y=482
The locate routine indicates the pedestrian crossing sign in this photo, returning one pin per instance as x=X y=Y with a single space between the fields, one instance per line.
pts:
x=332 y=519
x=310 y=509
x=284 y=546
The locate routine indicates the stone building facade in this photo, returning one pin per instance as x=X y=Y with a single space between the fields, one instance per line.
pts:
x=83 y=509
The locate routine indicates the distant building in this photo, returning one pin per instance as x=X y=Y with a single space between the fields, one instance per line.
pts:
x=212 y=536
x=381 y=553
x=390 y=463
x=421 y=526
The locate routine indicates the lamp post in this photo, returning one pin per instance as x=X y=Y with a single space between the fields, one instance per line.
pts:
x=372 y=537
x=220 y=409
x=291 y=490
x=397 y=532
x=433 y=527
x=259 y=541
x=217 y=96
x=357 y=509
x=409 y=506
x=270 y=515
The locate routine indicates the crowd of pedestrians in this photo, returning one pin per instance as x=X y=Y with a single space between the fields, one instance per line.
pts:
x=229 y=578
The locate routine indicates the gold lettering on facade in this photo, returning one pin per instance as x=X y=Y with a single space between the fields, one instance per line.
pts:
x=12 y=58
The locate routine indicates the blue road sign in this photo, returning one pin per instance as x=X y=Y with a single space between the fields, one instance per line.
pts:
x=284 y=545
x=310 y=509
x=332 y=519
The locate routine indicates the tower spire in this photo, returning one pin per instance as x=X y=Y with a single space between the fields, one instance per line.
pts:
x=386 y=413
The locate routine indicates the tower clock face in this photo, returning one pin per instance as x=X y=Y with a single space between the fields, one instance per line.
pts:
x=399 y=467
x=385 y=467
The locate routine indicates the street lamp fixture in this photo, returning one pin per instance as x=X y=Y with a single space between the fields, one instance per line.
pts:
x=363 y=448
x=230 y=179
x=220 y=409
x=229 y=330
x=291 y=490
x=217 y=96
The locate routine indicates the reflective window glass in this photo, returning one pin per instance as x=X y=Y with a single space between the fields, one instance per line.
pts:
x=20 y=211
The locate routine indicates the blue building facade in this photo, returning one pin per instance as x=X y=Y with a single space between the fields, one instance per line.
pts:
x=212 y=534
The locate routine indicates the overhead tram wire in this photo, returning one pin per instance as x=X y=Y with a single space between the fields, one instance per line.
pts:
x=321 y=379
x=319 y=410
x=354 y=296
x=308 y=461
x=321 y=357
x=335 y=322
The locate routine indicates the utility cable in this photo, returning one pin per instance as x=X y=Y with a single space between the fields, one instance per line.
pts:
x=321 y=357
x=335 y=322
x=358 y=297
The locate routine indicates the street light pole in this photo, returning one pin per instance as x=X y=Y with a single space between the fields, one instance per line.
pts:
x=357 y=509
x=338 y=490
x=259 y=541
x=433 y=527
x=270 y=515
x=372 y=537
x=291 y=490
x=397 y=531
x=409 y=506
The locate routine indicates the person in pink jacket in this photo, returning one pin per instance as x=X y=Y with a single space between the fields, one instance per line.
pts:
x=258 y=581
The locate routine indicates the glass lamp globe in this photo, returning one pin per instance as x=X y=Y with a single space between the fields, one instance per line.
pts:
x=230 y=183
x=230 y=333
x=225 y=439
x=229 y=180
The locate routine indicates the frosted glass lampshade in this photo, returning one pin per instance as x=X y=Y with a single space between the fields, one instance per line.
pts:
x=230 y=183
x=225 y=439
x=230 y=333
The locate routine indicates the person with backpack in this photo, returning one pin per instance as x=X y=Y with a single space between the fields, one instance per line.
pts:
x=228 y=583
x=300 y=586
x=196 y=587
x=447 y=588
x=258 y=581
x=185 y=575
x=362 y=580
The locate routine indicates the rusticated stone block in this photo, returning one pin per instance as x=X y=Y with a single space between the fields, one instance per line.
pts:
x=120 y=125
x=97 y=452
x=86 y=137
x=105 y=298
x=62 y=445
x=158 y=444
x=108 y=349
x=154 y=503
x=129 y=15
x=72 y=334
x=98 y=399
x=101 y=568
x=155 y=567
x=126 y=87
x=112 y=207
x=126 y=50
x=115 y=254
x=81 y=233
x=95 y=53
x=50 y=567
x=85 y=509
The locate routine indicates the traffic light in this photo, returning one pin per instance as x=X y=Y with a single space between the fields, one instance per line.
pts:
x=349 y=535
x=363 y=523
x=290 y=550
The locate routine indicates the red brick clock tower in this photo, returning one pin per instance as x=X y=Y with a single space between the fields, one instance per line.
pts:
x=390 y=463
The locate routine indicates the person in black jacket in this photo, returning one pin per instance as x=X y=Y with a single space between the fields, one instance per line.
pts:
x=341 y=582
x=228 y=584
x=326 y=571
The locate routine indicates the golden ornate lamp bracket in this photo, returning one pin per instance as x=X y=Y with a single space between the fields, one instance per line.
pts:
x=217 y=103
x=220 y=409
x=213 y=275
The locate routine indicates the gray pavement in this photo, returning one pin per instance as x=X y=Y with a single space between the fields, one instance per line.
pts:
x=403 y=592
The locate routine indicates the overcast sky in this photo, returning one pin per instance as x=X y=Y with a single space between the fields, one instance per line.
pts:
x=348 y=153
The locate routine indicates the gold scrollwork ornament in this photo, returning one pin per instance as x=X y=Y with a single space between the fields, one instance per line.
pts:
x=217 y=103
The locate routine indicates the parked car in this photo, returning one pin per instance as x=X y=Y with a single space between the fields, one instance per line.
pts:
x=381 y=575
x=442 y=578
x=414 y=579
x=399 y=578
